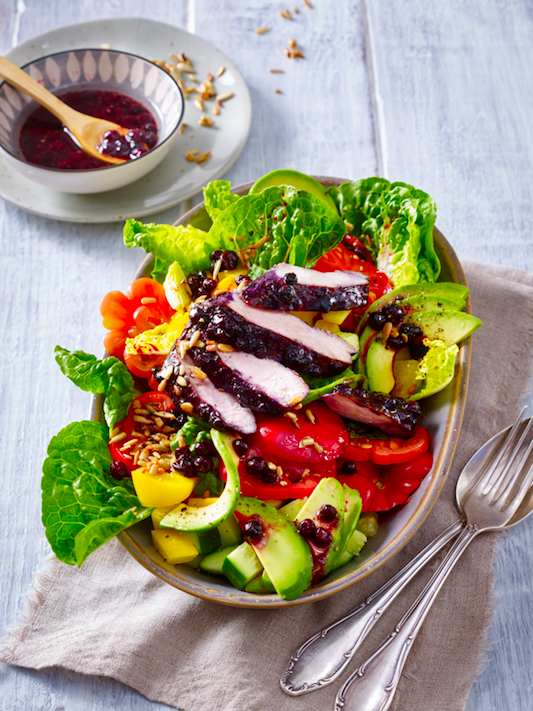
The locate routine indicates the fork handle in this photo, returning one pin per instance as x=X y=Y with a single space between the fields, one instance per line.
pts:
x=373 y=685
x=321 y=659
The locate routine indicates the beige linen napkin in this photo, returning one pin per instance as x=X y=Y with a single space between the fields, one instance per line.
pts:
x=113 y=618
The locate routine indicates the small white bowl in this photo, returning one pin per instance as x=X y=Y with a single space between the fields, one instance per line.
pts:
x=94 y=69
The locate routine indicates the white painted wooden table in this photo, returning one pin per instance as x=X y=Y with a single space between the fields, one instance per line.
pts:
x=435 y=94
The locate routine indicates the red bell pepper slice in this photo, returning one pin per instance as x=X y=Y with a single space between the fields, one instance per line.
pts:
x=128 y=425
x=383 y=488
x=284 y=488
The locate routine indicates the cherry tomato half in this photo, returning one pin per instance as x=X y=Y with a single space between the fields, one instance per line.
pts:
x=397 y=450
x=387 y=451
x=341 y=258
x=126 y=315
x=142 y=364
x=280 y=436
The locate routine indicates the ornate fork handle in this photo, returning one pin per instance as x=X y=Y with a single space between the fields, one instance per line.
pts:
x=321 y=659
x=373 y=685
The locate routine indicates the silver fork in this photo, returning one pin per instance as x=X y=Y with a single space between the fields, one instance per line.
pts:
x=490 y=505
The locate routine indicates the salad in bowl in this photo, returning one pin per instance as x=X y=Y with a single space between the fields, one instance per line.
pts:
x=261 y=415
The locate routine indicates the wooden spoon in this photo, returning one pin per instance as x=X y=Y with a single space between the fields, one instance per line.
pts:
x=87 y=130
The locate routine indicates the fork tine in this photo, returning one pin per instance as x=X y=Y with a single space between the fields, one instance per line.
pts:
x=511 y=470
x=484 y=484
x=524 y=484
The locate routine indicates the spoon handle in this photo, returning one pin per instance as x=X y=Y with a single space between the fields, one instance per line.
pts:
x=321 y=659
x=19 y=79
x=373 y=685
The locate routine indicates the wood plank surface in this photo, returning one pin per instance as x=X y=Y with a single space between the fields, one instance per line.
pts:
x=453 y=85
x=435 y=94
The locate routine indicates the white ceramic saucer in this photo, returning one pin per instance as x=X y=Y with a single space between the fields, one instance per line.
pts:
x=175 y=179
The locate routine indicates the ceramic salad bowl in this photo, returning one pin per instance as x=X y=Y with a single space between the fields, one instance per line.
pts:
x=96 y=70
x=442 y=415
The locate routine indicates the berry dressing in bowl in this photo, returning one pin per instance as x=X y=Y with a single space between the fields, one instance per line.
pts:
x=124 y=88
x=44 y=140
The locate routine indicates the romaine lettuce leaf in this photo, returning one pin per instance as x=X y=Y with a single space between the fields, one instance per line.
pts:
x=399 y=221
x=189 y=246
x=217 y=196
x=290 y=226
x=436 y=369
x=107 y=377
x=83 y=507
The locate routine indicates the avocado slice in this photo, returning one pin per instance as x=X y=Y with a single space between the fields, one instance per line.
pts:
x=352 y=510
x=284 y=554
x=297 y=180
x=230 y=532
x=354 y=546
x=421 y=297
x=380 y=367
x=447 y=326
x=366 y=338
x=190 y=518
x=329 y=491
x=292 y=509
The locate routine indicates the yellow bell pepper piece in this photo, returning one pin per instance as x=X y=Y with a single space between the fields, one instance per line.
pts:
x=223 y=273
x=174 y=546
x=327 y=326
x=226 y=284
x=158 y=340
x=159 y=513
x=164 y=490
x=336 y=316
x=307 y=316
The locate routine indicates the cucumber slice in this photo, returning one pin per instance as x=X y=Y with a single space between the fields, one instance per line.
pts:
x=204 y=541
x=256 y=586
x=241 y=566
x=213 y=562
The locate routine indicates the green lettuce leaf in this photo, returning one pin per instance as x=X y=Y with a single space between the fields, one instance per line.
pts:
x=189 y=246
x=323 y=386
x=291 y=225
x=436 y=369
x=83 y=507
x=218 y=196
x=107 y=377
x=193 y=431
x=397 y=221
